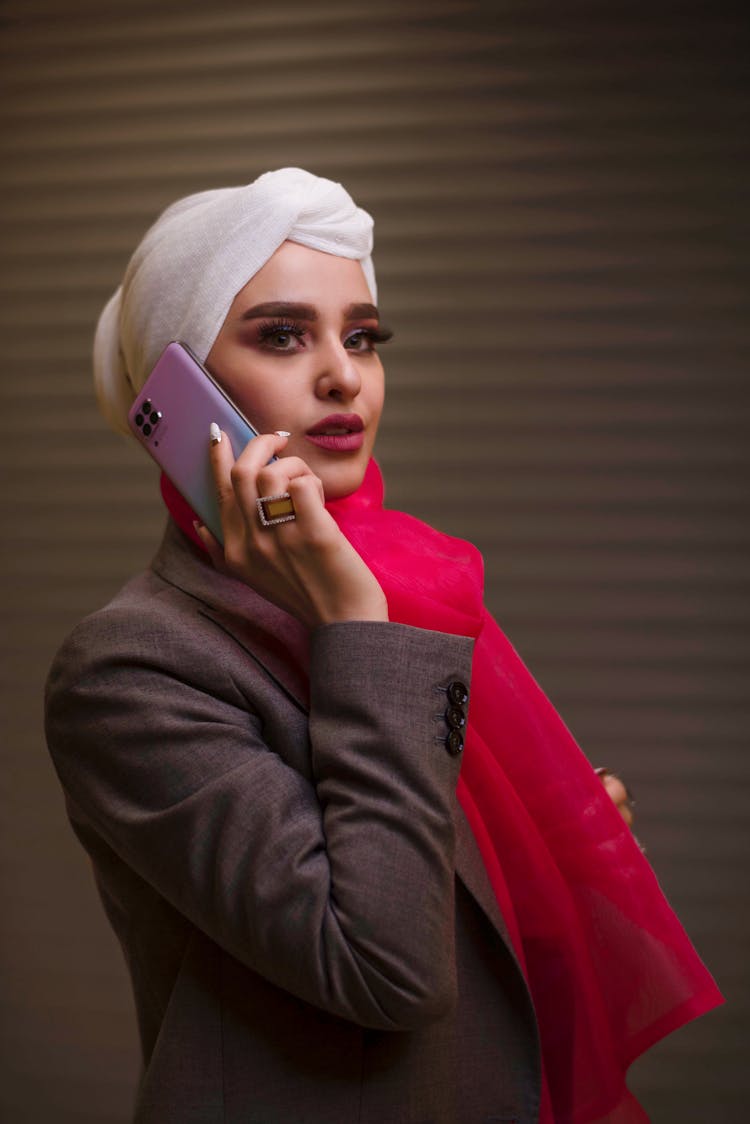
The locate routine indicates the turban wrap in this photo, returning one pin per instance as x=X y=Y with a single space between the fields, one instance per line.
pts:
x=190 y=265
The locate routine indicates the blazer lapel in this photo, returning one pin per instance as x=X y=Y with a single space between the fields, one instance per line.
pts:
x=264 y=649
x=252 y=621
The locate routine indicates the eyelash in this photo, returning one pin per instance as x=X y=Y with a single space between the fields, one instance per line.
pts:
x=270 y=328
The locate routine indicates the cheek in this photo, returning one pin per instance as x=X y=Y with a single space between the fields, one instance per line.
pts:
x=379 y=398
x=257 y=394
x=374 y=387
x=253 y=401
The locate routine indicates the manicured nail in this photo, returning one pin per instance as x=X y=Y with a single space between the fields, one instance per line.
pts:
x=197 y=525
x=214 y=433
x=282 y=433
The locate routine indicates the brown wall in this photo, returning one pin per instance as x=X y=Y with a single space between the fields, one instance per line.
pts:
x=561 y=205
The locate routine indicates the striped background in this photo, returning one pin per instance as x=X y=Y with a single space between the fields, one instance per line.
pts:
x=560 y=193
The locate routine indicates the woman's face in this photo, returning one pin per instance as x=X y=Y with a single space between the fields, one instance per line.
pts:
x=297 y=352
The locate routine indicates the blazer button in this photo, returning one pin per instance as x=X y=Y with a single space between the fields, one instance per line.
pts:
x=454 y=743
x=455 y=717
x=458 y=693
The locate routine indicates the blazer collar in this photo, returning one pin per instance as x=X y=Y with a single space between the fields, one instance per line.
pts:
x=253 y=622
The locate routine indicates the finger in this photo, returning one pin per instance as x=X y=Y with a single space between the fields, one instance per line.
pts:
x=626 y=812
x=221 y=460
x=618 y=793
x=307 y=496
x=616 y=789
x=213 y=547
x=275 y=478
x=260 y=450
x=620 y=797
x=221 y=457
x=243 y=473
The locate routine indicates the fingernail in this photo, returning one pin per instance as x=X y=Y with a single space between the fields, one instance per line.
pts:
x=603 y=771
x=214 y=433
x=282 y=433
x=197 y=525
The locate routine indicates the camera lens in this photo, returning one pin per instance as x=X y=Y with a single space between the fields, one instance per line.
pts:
x=147 y=405
x=139 y=419
x=155 y=416
x=146 y=430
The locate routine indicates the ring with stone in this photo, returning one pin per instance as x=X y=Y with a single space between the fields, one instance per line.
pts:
x=276 y=509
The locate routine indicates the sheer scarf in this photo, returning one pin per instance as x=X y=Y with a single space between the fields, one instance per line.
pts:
x=608 y=964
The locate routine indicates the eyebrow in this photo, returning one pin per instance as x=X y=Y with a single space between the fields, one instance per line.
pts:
x=306 y=311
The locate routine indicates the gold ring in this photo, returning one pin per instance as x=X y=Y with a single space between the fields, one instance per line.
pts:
x=276 y=509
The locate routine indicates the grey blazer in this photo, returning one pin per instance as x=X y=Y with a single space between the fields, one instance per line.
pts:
x=304 y=912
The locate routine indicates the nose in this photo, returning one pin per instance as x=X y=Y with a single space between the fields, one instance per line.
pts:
x=337 y=377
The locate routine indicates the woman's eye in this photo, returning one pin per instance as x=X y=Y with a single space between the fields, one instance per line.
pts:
x=357 y=341
x=365 y=339
x=280 y=337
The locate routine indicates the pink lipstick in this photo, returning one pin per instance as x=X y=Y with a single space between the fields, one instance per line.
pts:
x=341 y=433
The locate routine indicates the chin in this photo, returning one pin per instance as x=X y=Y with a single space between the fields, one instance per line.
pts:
x=342 y=481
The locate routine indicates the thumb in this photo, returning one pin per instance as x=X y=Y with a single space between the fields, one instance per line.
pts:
x=213 y=547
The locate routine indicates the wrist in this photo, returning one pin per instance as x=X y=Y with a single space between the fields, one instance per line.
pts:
x=373 y=609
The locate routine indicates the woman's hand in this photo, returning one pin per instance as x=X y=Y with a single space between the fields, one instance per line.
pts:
x=618 y=793
x=305 y=566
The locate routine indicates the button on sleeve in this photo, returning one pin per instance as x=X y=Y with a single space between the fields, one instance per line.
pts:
x=454 y=743
x=458 y=693
x=455 y=716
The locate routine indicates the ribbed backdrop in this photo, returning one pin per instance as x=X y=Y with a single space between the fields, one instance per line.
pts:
x=560 y=193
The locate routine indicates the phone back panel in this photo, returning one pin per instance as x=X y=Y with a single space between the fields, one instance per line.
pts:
x=170 y=418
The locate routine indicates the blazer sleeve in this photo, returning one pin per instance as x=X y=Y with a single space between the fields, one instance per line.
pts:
x=337 y=886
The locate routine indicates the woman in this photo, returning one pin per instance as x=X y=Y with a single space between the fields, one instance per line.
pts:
x=261 y=747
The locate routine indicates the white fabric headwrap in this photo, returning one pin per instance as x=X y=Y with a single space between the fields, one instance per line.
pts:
x=190 y=265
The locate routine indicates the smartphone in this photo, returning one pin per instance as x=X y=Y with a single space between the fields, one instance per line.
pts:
x=170 y=418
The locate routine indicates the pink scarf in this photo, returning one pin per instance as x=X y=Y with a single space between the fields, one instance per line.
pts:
x=609 y=967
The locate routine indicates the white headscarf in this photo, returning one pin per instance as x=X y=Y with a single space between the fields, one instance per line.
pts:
x=190 y=265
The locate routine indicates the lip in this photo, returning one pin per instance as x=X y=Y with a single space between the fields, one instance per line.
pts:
x=347 y=442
